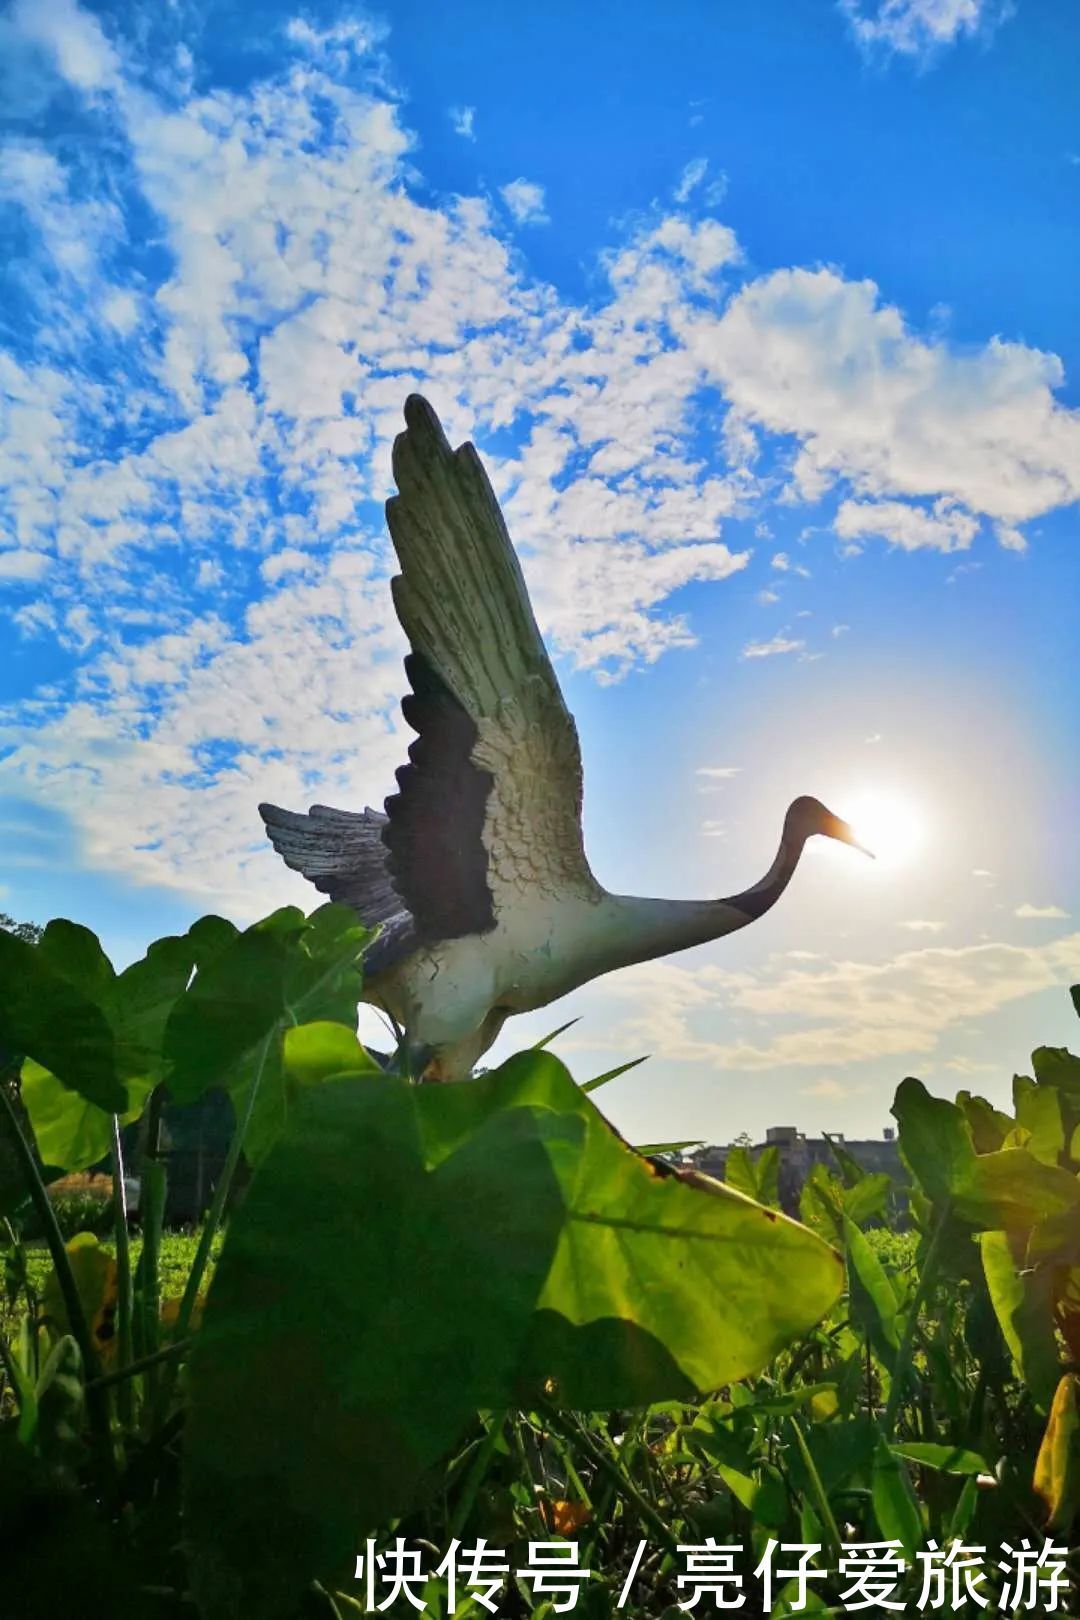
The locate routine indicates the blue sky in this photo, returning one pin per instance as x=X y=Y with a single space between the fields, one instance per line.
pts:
x=766 y=322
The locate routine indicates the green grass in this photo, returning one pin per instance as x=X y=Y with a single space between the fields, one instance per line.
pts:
x=177 y=1253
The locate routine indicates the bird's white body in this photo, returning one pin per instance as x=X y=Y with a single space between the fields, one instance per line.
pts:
x=477 y=872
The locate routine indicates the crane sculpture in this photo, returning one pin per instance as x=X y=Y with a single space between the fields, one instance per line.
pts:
x=476 y=870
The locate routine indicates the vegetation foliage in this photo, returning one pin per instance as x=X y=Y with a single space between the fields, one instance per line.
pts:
x=464 y=1312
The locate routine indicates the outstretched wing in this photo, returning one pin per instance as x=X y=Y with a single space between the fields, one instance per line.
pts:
x=490 y=805
x=343 y=854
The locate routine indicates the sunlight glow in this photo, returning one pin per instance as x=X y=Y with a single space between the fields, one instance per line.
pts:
x=891 y=827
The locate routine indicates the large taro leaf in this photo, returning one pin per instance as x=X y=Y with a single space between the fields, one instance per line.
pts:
x=409 y=1254
x=71 y=1130
x=1008 y=1190
x=43 y=1015
x=249 y=989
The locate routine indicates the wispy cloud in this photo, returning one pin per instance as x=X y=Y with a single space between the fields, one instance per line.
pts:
x=718 y=772
x=525 y=200
x=1039 y=913
x=833 y=1013
x=770 y=649
x=923 y=925
x=462 y=121
x=691 y=177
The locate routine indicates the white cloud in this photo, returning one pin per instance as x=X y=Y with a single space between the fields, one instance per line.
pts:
x=23 y=565
x=842 y=1012
x=525 y=200
x=922 y=925
x=691 y=178
x=310 y=291
x=830 y=1090
x=768 y=649
x=767 y=598
x=806 y=353
x=944 y=528
x=919 y=27
x=73 y=37
x=839 y=630
x=1039 y=913
x=462 y=121
x=718 y=772
x=714 y=829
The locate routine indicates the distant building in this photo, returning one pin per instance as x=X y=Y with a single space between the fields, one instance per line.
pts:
x=798 y=1154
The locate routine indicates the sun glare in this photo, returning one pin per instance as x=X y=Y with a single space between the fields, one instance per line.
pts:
x=890 y=826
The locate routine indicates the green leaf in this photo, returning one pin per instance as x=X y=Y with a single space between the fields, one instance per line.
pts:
x=1057 y=1066
x=480 y=1246
x=142 y=998
x=1038 y=1112
x=767 y=1175
x=935 y=1139
x=45 y=1017
x=1023 y=1303
x=945 y=1459
x=1013 y=1190
x=314 y=1052
x=763 y=1495
x=989 y=1127
x=250 y=989
x=76 y=955
x=1010 y=1189
x=739 y=1171
x=873 y=1300
x=896 y=1507
x=613 y=1074
x=538 y=1046
x=71 y=1133
x=821 y=1203
x=850 y=1169
x=868 y=1197
x=650 y=1150
x=1057 y=1468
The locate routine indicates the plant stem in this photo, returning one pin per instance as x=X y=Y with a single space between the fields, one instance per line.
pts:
x=170 y=1352
x=153 y=1190
x=477 y=1469
x=97 y=1410
x=125 y=1301
x=600 y=1459
x=902 y=1364
x=819 y=1494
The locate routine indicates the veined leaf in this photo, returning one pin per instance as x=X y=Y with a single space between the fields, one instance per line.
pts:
x=1023 y=1304
x=47 y=1018
x=481 y=1246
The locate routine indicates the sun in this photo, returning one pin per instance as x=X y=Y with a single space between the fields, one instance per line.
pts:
x=890 y=825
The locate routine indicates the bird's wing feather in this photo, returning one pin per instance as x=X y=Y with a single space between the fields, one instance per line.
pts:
x=494 y=732
x=343 y=854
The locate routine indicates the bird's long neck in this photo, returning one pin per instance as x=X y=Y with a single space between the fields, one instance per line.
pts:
x=651 y=928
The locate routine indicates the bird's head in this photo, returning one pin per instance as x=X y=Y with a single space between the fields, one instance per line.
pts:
x=808 y=816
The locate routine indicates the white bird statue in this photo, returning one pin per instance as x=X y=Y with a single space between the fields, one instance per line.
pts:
x=476 y=873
